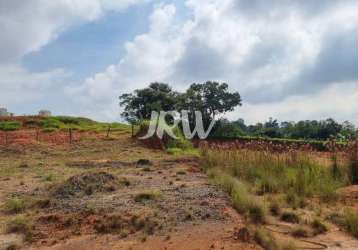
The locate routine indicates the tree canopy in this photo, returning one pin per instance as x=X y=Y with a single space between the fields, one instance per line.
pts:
x=209 y=97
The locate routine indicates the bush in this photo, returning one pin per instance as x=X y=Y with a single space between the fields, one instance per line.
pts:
x=318 y=227
x=300 y=232
x=15 y=205
x=147 y=196
x=51 y=123
x=265 y=239
x=275 y=209
x=290 y=217
x=10 y=126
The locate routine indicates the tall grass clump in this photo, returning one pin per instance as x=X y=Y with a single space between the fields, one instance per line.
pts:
x=353 y=163
x=14 y=205
x=242 y=200
x=269 y=172
x=351 y=222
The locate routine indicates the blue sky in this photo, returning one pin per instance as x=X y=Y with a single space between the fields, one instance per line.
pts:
x=290 y=60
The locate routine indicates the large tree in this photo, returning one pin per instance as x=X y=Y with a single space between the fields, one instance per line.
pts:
x=209 y=98
x=139 y=104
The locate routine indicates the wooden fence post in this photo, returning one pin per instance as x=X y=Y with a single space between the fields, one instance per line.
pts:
x=108 y=130
x=37 y=135
x=70 y=132
x=6 y=138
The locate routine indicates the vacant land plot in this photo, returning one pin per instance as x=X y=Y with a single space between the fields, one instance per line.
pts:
x=111 y=193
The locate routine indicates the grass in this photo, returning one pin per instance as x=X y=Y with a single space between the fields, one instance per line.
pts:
x=147 y=196
x=10 y=126
x=351 y=222
x=318 y=227
x=300 y=232
x=15 y=205
x=268 y=242
x=242 y=200
x=276 y=173
x=275 y=208
x=20 y=225
x=353 y=163
x=290 y=217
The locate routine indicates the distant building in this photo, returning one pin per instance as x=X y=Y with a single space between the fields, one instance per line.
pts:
x=44 y=113
x=3 y=112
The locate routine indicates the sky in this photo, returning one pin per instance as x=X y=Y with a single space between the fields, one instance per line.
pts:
x=289 y=59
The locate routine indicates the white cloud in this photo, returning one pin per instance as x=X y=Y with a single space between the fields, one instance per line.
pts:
x=26 y=26
x=264 y=49
x=20 y=86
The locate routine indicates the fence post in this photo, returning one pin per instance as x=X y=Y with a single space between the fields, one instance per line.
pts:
x=37 y=135
x=108 y=130
x=6 y=138
x=70 y=132
x=132 y=129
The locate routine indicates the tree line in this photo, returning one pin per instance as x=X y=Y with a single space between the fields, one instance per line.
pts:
x=214 y=99
x=307 y=129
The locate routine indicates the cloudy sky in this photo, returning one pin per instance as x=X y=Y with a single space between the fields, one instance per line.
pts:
x=289 y=59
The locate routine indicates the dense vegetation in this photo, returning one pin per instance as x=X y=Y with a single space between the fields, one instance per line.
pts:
x=212 y=96
x=262 y=183
x=313 y=130
x=54 y=123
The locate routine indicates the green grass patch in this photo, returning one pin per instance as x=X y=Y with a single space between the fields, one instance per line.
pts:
x=10 y=126
x=14 y=205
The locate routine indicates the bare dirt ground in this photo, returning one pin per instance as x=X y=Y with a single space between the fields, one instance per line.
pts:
x=112 y=194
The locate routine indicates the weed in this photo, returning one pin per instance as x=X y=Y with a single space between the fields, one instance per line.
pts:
x=351 y=222
x=124 y=182
x=20 y=225
x=265 y=239
x=15 y=205
x=146 y=169
x=275 y=209
x=300 y=232
x=290 y=217
x=318 y=227
x=48 y=177
x=353 y=163
x=147 y=196
x=243 y=202
x=24 y=165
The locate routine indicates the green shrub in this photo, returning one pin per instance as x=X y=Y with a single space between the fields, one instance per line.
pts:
x=10 y=126
x=15 y=205
x=351 y=222
x=51 y=123
x=318 y=227
x=265 y=239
